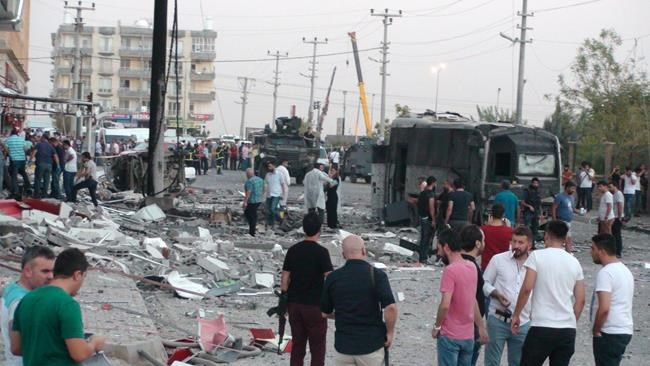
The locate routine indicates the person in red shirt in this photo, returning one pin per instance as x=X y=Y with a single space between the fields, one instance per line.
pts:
x=233 y=157
x=497 y=235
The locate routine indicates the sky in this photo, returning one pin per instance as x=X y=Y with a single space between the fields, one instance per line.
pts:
x=461 y=34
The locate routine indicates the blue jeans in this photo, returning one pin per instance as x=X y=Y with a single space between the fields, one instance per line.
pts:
x=56 y=183
x=271 y=209
x=18 y=167
x=42 y=179
x=455 y=352
x=68 y=183
x=637 y=202
x=500 y=334
x=629 y=205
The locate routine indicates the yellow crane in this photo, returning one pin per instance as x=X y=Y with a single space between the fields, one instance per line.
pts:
x=362 y=87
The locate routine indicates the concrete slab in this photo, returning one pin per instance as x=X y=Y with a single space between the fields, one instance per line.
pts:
x=212 y=265
x=150 y=213
x=125 y=333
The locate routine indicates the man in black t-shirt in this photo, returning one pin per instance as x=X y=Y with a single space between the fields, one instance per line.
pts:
x=461 y=206
x=427 y=214
x=303 y=273
x=357 y=293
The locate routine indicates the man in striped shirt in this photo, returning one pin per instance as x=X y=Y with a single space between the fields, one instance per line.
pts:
x=16 y=146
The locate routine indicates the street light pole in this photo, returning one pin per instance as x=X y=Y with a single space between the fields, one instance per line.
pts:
x=437 y=70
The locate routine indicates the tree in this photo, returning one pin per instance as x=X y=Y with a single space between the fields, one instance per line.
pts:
x=402 y=110
x=609 y=99
x=562 y=124
x=490 y=114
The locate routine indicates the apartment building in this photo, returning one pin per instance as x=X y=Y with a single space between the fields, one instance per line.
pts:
x=116 y=68
x=14 y=52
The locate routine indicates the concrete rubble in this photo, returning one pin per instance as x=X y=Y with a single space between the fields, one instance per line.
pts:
x=193 y=244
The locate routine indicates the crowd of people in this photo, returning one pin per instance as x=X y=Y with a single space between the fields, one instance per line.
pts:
x=205 y=155
x=321 y=194
x=531 y=299
x=57 y=171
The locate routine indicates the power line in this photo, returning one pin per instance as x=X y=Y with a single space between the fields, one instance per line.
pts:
x=566 y=6
x=494 y=24
x=460 y=11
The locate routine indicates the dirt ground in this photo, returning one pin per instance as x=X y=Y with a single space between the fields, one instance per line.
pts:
x=413 y=344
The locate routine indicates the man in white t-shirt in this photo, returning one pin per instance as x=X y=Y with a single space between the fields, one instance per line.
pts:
x=619 y=208
x=283 y=170
x=69 y=168
x=334 y=158
x=629 y=189
x=611 y=303
x=555 y=279
x=605 y=209
x=585 y=185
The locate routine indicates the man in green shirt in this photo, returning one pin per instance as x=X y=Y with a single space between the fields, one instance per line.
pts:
x=47 y=326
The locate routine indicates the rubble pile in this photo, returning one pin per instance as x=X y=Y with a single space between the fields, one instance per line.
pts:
x=194 y=244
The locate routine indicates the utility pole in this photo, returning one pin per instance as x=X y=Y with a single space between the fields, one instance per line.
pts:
x=345 y=94
x=312 y=77
x=156 y=166
x=276 y=79
x=77 y=84
x=317 y=108
x=243 y=82
x=522 y=57
x=388 y=20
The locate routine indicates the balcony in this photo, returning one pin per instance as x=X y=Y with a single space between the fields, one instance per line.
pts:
x=64 y=70
x=106 y=51
x=202 y=96
x=128 y=72
x=172 y=74
x=203 y=56
x=128 y=93
x=86 y=71
x=105 y=71
x=202 y=76
x=136 y=52
x=135 y=31
x=105 y=92
x=61 y=92
x=69 y=51
x=171 y=93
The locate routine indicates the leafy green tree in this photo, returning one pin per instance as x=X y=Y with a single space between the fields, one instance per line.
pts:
x=562 y=124
x=491 y=114
x=609 y=99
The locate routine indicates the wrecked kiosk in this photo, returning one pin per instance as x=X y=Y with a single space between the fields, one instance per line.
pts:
x=483 y=154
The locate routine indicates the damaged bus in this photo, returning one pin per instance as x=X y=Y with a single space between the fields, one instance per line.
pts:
x=482 y=154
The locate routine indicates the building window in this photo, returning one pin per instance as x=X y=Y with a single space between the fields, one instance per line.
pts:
x=105 y=85
x=125 y=83
x=106 y=44
x=86 y=42
x=173 y=88
x=105 y=64
x=173 y=107
x=124 y=104
x=125 y=64
x=126 y=42
x=191 y=107
x=86 y=83
x=202 y=44
x=106 y=104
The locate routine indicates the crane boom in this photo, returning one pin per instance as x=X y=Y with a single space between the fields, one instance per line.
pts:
x=362 y=87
